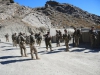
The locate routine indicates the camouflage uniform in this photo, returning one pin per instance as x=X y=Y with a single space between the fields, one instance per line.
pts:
x=36 y=36
x=76 y=36
x=93 y=37
x=57 y=38
x=14 y=39
x=22 y=45
x=66 y=38
x=39 y=39
x=48 y=41
x=33 y=49
x=7 y=37
x=61 y=39
x=27 y=40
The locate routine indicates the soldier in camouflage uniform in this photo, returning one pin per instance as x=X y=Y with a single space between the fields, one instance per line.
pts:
x=66 y=38
x=93 y=37
x=76 y=36
x=36 y=36
x=57 y=38
x=33 y=49
x=39 y=39
x=14 y=39
x=22 y=45
x=48 y=41
x=7 y=37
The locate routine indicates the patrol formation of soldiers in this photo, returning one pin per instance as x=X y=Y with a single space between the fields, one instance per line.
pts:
x=22 y=40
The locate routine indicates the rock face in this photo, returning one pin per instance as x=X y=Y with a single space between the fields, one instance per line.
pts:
x=16 y=18
x=68 y=15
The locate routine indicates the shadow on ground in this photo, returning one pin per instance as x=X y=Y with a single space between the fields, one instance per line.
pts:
x=7 y=43
x=13 y=61
x=10 y=49
x=85 y=47
x=7 y=57
x=5 y=46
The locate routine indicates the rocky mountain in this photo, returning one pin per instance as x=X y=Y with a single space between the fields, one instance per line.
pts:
x=16 y=18
x=68 y=15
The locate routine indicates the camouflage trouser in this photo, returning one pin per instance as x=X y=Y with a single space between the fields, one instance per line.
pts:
x=14 y=43
x=39 y=42
x=48 y=43
x=66 y=44
x=23 y=48
x=36 y=41
x=76 y=40
x=33 y=51
x=92 y=41
x=58 y=42
x=7 y=39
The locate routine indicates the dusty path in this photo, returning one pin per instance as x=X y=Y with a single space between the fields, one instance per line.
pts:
x=79 y=61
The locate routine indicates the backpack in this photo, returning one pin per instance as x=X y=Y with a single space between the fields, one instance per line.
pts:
x=18 y=39
x=78 y=32
x=47 y=38
x=32 y=39
x=39 y=37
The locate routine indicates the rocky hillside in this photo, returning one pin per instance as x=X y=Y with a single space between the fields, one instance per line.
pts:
x=16 y=18
x=68 y=15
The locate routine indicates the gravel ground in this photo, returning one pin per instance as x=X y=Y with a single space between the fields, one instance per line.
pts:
x=78 y=61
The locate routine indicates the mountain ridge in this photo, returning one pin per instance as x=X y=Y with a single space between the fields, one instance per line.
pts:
x=52 y=15
x=53 y=9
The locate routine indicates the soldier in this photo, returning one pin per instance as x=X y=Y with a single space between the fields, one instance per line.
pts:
x=66 y=38
x=21 y=41
x=57 y=38
x=48 y=41
x=76 y=36
x=14 y=39
x=61 y=39
x=36 y=36
x=33 y=49
x=7 y=37
x=93 y=37
x=27 y=40
x=39 y=38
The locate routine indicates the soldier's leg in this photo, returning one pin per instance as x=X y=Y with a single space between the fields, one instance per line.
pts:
x=15 y=43
x=32 y=52
x=35 y=52
x=78 y=41
x=67 y=47
x=75 y=41
x=59 y=42
x=24 y=50
x=21 y=51
x=46 y=45
x=7 y=39
x=49 y=43
x=39 y=42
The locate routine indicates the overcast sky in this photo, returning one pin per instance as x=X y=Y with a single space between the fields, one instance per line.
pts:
x=92 y=6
